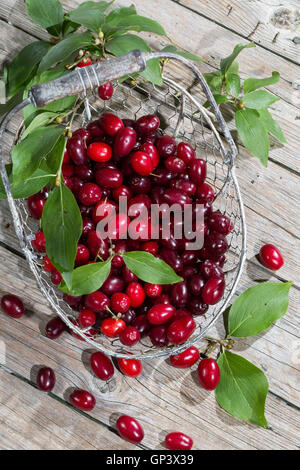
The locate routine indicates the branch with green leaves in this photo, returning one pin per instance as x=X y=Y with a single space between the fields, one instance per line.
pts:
x=254 y=122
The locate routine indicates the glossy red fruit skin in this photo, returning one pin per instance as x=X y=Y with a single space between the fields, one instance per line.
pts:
x=110 y=123
x=130 y=367
x=89 y=194
x=147 y=124
x=158 y=336
x=104 y=209
x=136 y=294
x=271 y=257
x=196 y=284
x=186 y=153
x=142 y=324
x=187 y=187
x=82 y=256
x=47 y=265
x=84 y=62
x=152 y=290
x=197 y=171
x=109 y=178
x=151 y=150
x=205 y=193
x=106 y=91
x=166 y=146
x=179 y=294
x=77 y=150
x=112 y=285
x=39 y=243
x=46 y=379
x=219 y=223
x=180 y=330
x=178 y=441
x=54 y=328
x=84 y=172
x=210 y=269
x=95 y=131
x=67 y=169
x=160 y=314
x=130 y=336
x=175 y=196
x=12 y=306
x=102 y=366
x=112 y=328
x=86 y=318
x=130 y=429
x=213 y=291
x=139 y=184
x=120 y=302
x=97 y=302
x=82 y=400
x=141 y=163
x=35 y=205
x=151 y=247
x=216 y=243
x=99 y=152
x=186 y=359
x=175 y=164
x=84 y=134
x=97 y=246
x=124 y=142
x=209 y=374
x=56 y=277
x=197 y=307
x=74 y=302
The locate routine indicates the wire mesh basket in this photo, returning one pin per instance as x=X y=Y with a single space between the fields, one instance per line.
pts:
x=183 y=116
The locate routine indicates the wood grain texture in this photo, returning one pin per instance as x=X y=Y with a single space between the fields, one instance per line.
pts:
x=163 y=398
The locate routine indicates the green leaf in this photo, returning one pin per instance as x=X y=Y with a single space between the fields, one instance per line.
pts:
x=28 y=154
x=19 y=71
x=259 y=99
x=233 y=84
x=124 y=44
x=228 y=61
x=55 y=157
x=257 y=308
x=143 y=23
x=32 y=185
x=64 y=48
x=115 y=15
x=148 y=268
x=62 y=226
x=40 y=120
x=10 y=104
x=234 y=68
x=221 y=99
x=242 y=390
x=271 y=125
x=252 y=84
x=187 y=55
x=90 y=15
x=45 y=13
x=252 y=133
x=87 y=279
x=214 y=81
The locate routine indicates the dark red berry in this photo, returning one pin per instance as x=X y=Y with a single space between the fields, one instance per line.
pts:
x=110 y=123
x=175 y=164
x=209 y=374
x=219 y=223
x=35 y=205
x=147 y=124
x=12 y=306
x=47 y=265
x=104 y=209
x=120 y=302
x=196 y=284
x=166 y=146
x=180 y=330
x=152 y=290
x=84 y=172
x=39 y=243
x=136 y=294
x=89 y=194
x=139 y=184
x=152 y=152
x=178 y=441
x=112 y=328
x=130 y=429
x=128 y=275
x=205 y=193
x=99 y=152
x=109 y=178
x=142 y=324
x=56 y=277
x=216 y=243
x=271 y=257
x=210 y=269
x=142 y=163
x=124 y=142
x=160 y=314
x=83 y=400
x=213 y=291
x=187 y=187
x=95 y=131
x=130 y=336
x=158 y=336
x=86 y=318
x=82 y=256
x=179 y=294
x=74 y=302
x=106 y=91
x=197 y=171
x=55 y=327
x=67 y=169
x=197 y=307
x=186 y=359
x=45 y=379
x=175 y=196
x=97 y=302
x=130 y=367
x=102 y=366
x=186 y=153
x=151 y=247
x=112 y=285
x=76 y=148
x=97 y=246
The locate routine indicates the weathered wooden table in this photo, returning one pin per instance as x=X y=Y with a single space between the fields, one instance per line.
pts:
x=163 y=398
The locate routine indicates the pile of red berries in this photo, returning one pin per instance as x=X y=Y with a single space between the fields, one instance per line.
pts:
x=111 y=158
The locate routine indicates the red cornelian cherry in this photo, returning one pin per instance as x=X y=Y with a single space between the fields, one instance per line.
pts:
x=67 y=169
x=130 y=367
x=82 y=256
x=178 y=441
x=130 y=429
x=136 y=294
x=219 y=223
x=150 y=247
x=186 y=359
x=147 y=124
x=175 y=164
x=160 y=314
x=109 y=178
x=84 y=62
x=110 y=123
x=35 y=205
x=89 y=194
x=76 y=148
x=112 y=327
x=102 y=366
x=209 y=374
x=213 y=290
x=106 y=91
x=125 y=141
x=158 y=336
x=55 y=327
x=56 y=277
x=152 y=290
x=180 y=330
x=120 y=302
x=205 y=193
x=86 y=318
x=82 y=400
x=12 y=306
x=130 y=336
x=39 y=243
x=197 y=171
x=104 y=209
x=166 y=146
x=271 y=257
x=47 y=265
x=142 y=324
x=99 y=152
x=142 y=163
x=46 y=379
x=151 y=150
x=97 y=302
x=186 y=153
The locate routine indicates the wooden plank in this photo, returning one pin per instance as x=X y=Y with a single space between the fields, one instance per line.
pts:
x=33 y=420
x=270 y=24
